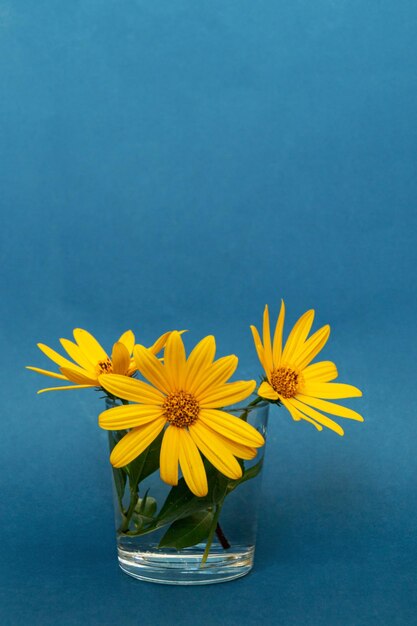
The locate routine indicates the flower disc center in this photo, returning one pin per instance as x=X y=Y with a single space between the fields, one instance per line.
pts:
x=285 y=381
x=104 y=367
x=181 y=409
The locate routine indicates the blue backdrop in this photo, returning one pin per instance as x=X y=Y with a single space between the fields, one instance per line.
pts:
x=180 y=164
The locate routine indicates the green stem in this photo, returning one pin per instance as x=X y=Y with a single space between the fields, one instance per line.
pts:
x=134 y=496
x=211 y=533
x=247 y=409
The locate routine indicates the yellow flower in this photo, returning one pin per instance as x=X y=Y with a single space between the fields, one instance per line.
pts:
x=185 y=396
x=302 y=388
x=89 y=359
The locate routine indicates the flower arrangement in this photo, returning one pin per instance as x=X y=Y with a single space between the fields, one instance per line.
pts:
x=175 y=413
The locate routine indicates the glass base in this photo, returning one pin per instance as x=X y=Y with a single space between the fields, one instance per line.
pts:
x=185 y=567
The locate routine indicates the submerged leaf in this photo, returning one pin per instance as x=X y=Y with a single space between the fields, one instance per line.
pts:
x=188 y=531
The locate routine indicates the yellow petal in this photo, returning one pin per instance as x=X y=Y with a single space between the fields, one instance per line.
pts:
x=267 y=391
x=75 y=353
x=46 y=372
x=297 y=415
x=161 y=341
x=318 y=417
x=75 y=376
x=214 y=376
x=277 y=346
x=131 y=389
x=311 y=348
x=242 y=452
x=151 y=368
x=215 y=450
x=128 y=340
x=174 y=360
x=330 y=407
x=237 y=449
x=267 y=340
x=128 y=416
x=89 y=346
x=232 y=427
x=200 y=358
x=65 y=387
x=297 y=336
x=120 y=358
x=55 y=356
x=229 y=393
x=260 y=349
x=191 y=465
x=170 y=450
x=331 y=391
x=323 y=372
x=135 y=442
x=132 y=367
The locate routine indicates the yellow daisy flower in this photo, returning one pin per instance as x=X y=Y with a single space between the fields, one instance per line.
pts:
x=303 y=388
x=90 y=360
x=185 y=396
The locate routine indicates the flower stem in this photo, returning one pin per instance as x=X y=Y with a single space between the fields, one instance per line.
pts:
x=211 y=533
x=222 y=537
x=134 y=496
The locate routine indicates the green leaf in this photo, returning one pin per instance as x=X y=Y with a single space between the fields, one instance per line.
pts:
x=180 y=502
x=188 y=531
x=251 y=472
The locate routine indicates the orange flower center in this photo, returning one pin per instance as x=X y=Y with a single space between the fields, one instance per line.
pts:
x=181 y=409
x=285 y=381
x=104 y=367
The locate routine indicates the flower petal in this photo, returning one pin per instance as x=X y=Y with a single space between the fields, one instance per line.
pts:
x=323 y=372
x=151 y=368
x=75 y=376
x=297 y=415
x=297 y=336
x=330 y=407
x=237 y=449
x=260 y=349
x=214 y=376
x=55 y=356
x=267 y=391
x=192 y=465
x=46 y=372
x=315 y=415
x=229 y=393
x=215 y=450
x=131 y=389
x=311 y=347
x=89 y=345
x=277 y=346
x=174 y=359
x=200 y=358
x=231 y=427
x=120 y=358
x=331 y=391
x=128 y=416
x=64 y=387
x=169 y=456
x=135 y=442
x=267 y=340
x=128 y=340
x=75 y=353
x=161 y=342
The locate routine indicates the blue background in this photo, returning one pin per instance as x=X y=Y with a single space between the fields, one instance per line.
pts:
x=180 y=164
